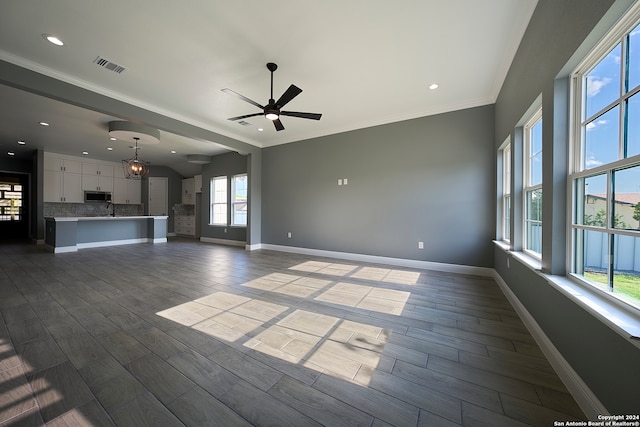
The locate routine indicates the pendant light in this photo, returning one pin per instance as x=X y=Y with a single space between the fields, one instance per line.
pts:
x=135 y=168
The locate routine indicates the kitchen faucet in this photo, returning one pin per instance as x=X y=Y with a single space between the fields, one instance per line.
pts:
x=113 y=210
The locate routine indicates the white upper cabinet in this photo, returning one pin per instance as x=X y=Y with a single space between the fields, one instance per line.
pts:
x=62 y=180
x=127 y=191
x=97 y=177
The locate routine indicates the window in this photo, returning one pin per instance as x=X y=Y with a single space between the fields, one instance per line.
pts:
x=218 y=199
x=506 y=193
x=605 y=176
x=532 y=190
x=239 y=200
x=10 y=201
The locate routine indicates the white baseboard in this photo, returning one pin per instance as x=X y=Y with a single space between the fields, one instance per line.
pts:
x=111 y=243
x=62 y=249
x=223 y=241
x=584 y=397
x=411 y=263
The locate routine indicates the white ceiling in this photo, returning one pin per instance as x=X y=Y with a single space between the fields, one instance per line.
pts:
x=360 y=63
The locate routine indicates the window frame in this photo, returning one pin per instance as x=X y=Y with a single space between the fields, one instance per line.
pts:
x=222 y=181
x=505 y=198
x=579 y=171
x=237 y=202
x=527 y=186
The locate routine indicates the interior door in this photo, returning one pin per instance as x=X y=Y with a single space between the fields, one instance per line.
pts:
x=158 y=196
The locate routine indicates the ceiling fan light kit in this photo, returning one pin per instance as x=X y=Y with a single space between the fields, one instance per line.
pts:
x=273 y=110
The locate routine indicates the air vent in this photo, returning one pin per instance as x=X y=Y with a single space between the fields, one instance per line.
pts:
x=243 y=123
x=111 y=66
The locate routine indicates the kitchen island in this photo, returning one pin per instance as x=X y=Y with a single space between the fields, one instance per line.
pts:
x=68 y=234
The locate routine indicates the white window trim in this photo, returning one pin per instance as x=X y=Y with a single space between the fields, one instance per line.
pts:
x=613 y=311
x=505 y=189
x=526 y=186
x=233 y=203
x=212 y=203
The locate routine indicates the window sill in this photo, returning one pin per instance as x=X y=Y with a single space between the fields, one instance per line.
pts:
x=616 y=314
x=528 y=260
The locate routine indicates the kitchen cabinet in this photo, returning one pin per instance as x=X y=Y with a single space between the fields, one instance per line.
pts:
x=97 y=177
x=127 y=191
x=188 y=191
x=62 y=180
x=185 y=225
x=62 y=164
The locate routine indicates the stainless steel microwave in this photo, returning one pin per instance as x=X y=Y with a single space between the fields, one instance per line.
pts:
x=97 y=196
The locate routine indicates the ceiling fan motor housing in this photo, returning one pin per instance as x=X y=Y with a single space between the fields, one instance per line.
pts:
x=272 y=110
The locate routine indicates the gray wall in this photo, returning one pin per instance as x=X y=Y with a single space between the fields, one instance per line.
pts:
x=225 y=164
x=560 y=34
x=9 y=164
x=428 y=179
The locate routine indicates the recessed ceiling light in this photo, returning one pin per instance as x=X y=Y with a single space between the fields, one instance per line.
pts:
x=53 y=39
x=113 y=139
x=11 y=153
x=260 y=129
x=21 y=142
x=109 y=148
x=44 y=123
x=433 y=86
x=85 y=152
x=173 y=151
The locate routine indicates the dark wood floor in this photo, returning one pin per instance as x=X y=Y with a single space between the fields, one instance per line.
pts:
x=201 y=335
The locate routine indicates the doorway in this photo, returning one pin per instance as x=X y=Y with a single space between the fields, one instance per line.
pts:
x=14 y=206
x=158 y=196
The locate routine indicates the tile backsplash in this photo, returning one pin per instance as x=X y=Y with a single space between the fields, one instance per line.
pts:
x=89 y=209
x=184 y=210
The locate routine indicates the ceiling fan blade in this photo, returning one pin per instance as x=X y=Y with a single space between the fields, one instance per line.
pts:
x=288 y=95
x=244 y=98
x=278 y=124
x=312 y=116
x=245 y=116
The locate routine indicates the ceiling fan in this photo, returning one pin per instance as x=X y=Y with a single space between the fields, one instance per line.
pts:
x=272 y=110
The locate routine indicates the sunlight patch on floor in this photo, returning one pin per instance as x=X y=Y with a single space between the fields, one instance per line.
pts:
x=16 y=394
x=189 y=313
x=337 y=347
x=332 y=345
x=332 y=269
x=378 y=274
x=321 y=342
x=366 y=297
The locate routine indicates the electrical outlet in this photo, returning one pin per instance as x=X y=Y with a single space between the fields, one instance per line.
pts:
x=420 y=245
x=289 y=235
x=225 y=230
